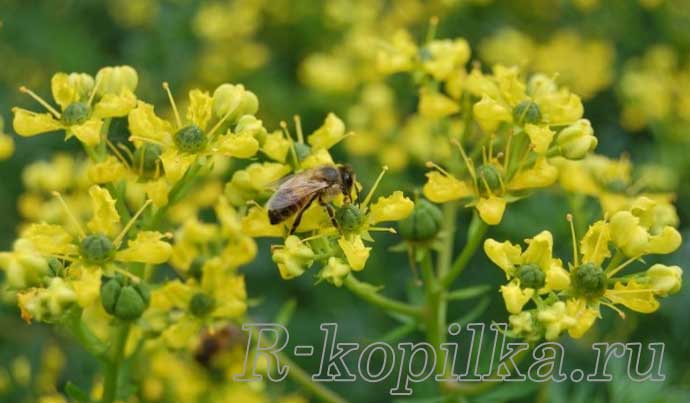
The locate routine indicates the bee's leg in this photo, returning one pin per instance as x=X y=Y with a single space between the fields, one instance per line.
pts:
x=331 y=213
x=298 y=217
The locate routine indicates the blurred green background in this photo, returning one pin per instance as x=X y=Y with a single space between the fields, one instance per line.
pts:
x=172 y=40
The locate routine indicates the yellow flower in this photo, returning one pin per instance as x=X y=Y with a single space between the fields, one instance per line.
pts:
x=335 y=271
x=399 y=55
x=293 y=258
x=576 y=140
x=635 y=296
x=491 y=209
x=108 y=170
x=256 y=224
x=489 y=114
x=276 y=146
x=445 y=56
x=664 y=279
x=584 y=317
x=635 y=238
x=434 y=105
x=116 y=80
x=556 y=319
x=80 y=116
x=540 y=137
x=6 y=142
x=441 y=188
x=24 y=267
x=46 y=304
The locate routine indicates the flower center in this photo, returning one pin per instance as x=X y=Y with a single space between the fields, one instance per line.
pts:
x=489 y=176
x=76 y=113
x=190 y=139
x=97 y=248
x=531 y=276
x=201 y=304
x=589 y=280
x=526 y=112
x=349 y=217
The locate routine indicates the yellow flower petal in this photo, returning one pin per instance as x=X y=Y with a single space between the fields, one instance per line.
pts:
x=329 y=134
x=584 y=317
x=276 y=146
x=50 y=239
x=112 y=105
x=27 y=123
x=540 y=250
x=70 y=88
x=635 y=296
x=595 y=244
x=392 y=208
x=515 y=298
x=175 y=163
x=335 y=271
x=441 y=188
x=105 y=219
x=540 y=137
x=147 y=247
x=242 y=145
x=504 y=254
x=88 y=132
x=435 y=105
x=541 y=175
x=491 y=209
x=355 y=251
x=256 y=224
x=144 y=123
x=200 y=108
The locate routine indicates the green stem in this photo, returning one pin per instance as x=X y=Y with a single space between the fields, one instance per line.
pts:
x=435 y=310
x=368 y=293
x=80 y=331
x=475 y=235
x=445 y=256
x=301 y=377
x=112 y=366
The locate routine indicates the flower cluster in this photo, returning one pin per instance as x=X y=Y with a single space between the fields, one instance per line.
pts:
x=569 y=298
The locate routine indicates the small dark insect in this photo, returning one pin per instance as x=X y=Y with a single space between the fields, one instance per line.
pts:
x=299 y=191
x=213 y=343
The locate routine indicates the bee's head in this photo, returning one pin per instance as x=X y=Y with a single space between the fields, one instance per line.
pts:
x=347 y=176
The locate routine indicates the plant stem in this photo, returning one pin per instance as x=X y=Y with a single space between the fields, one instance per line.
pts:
x=475 y=235
x=445 y=256
x=302 y=378
x=435 y=310
x=368 y=293
x=112 y=366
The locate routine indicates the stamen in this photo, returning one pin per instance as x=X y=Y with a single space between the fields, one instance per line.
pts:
x=166 y=87
x=146 y=140
x=431 y=32
x=221 y=121
x=382 y=229
x=596 y=246
x=620 y=267
x=298 y=127
x=118 y=239
x=485 y=157
x=128 y=274
x=117 y=153
x=491 y=147
x=486 y=185
x=69 y=214
x=40 y=100
x=507 y=156
x=468 y=163
x=569 y=217
x=618 y=310
x=431 y=164
x=126 y=151
x=373 y=188
x=293 y=152
x=93 y=91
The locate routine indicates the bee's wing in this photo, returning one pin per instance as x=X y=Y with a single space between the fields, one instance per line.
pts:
x=295 y=188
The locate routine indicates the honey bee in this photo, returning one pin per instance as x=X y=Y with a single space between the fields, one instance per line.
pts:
x=296 y=193
x=214 y=343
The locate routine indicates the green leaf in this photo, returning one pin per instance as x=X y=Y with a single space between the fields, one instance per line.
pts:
x=286 y=311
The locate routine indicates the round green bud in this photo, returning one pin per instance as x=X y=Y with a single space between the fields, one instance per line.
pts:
x=110 y=292
x=349 y=217
x=97 y=248
x=201 y=304
x=146 y=160
x=190 y=139
x=122 y=300
x=303 y=150
x=531 y=276
x=526 y=112
x=589 y=280
x=76 y=113
x=423 y=224
x=487 y=174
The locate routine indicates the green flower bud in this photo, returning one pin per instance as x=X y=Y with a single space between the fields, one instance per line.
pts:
x=526 y=112
x=234 y=100
x=122 y=300
x=349 y=217
x=190 y=139
x=250 y=124
x=576 y=140
x=531 y=276
x=76 y=113
x=97 y=248
x=487 y=174
x=146 y=160
x=201 y=304
x=423 y=224
x=589 y=280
